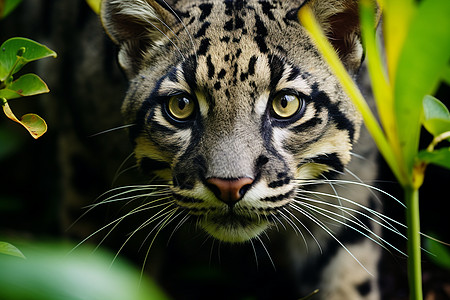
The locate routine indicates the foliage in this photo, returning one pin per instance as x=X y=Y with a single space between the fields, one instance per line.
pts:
x=417 y=38
x=7 y=6
x=8 y=249
x=50 y=273
x=95 y=5
x=14 y=54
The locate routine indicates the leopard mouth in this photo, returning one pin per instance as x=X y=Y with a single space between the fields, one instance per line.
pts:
x=233 y=227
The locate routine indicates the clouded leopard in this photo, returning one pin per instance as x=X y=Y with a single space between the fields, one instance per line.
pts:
x=235 y=112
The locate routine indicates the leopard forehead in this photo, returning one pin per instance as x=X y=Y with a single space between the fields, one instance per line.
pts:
x=232 y=51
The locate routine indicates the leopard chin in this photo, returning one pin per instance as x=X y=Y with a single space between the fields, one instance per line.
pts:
x=233 y=228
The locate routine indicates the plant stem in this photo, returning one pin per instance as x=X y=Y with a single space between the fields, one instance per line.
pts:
x=414 y=255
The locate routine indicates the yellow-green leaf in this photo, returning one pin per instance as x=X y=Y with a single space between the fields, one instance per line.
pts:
x=26 y=85
x=35 y=125
x=8 y=249
x=95 y=5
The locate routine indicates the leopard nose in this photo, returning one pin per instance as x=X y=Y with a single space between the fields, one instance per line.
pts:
x=229 y=191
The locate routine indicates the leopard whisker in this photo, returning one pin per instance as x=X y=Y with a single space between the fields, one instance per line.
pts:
x=111 y=199
x=112 y=129
x=267 y=252
x=328 y=214
x=254 y=252
x=328 y=231
x=307 y=229
x=178 y=226
x=348 y=209
x=135 y=210
x=118 y=220
x=161 y=225
x=154 y=217
x=291 y=223
x=341 y=181
x=383 y=217
x=295 y=225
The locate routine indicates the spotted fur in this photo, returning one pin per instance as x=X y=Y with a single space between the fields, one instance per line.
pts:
x=232 y=60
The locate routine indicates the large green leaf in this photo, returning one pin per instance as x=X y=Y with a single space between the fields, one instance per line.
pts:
x=440 y=157
x=424 y=57
x=7 y=6
x=29 y=50
x=26 y=85
x=50 y=273
x=436 y=116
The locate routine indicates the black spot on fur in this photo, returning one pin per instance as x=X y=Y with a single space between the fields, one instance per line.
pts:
x=279 y=197
x=251 y=65
x=364 y=288
x=304 y=127
x=294 y=73
x=225 y=39
x=278 y=183
x=221 y=74
x=228 y=25
x=148 y=165
x=217 y=86
x=201 y=32
x=276 y=70
x=189 y=67
x=261 y=33
x=204 y=46
x=239 y=23
x=261 y=161
x=332 y=160
x=266 y=8
x=210 y=66
x=206 y=10
x=321 y=100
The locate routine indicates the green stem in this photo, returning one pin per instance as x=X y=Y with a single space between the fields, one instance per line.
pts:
x=414 y=255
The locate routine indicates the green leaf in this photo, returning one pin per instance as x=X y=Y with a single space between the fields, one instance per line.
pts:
x=8 y=249
x=439 y=253
x=440 y=157
x=7 y=6
x=51 y=273
x=436 y=116
x=10 y=63
x=422 y=61
x=26 y=85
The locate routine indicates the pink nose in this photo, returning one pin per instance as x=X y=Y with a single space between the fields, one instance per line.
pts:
x=230 y=191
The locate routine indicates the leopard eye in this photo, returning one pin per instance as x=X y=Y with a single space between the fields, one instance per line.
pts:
x=180 y=107
x=286 y=105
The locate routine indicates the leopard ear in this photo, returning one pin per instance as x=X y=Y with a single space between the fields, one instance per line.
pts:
x=340 y=21
x=137 y=26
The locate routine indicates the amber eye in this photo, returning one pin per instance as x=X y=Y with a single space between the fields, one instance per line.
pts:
x=286 y=105
x=180 y=107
